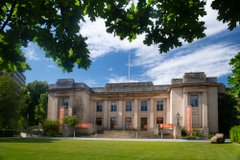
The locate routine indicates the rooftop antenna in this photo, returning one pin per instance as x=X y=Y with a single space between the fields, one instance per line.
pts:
x=129 y=67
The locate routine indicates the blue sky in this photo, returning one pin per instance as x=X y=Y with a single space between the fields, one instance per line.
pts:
x=110 y=57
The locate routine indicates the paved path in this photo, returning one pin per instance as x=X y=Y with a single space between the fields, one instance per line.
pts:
x=140 y=140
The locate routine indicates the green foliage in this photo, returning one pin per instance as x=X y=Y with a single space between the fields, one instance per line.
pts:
x=10 y=101
x=31 y=98
x=41 y=108
x=228 y=11
x=22 y=123
x=192 y=137
x=196 y=132
x=227 y=113
x=50 y=128
x=234 y=79
x=235 y=134
x=54 y=26
x=70 y=120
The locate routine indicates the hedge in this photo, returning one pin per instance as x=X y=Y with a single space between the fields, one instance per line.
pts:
x=50 y=128
x=235 y=134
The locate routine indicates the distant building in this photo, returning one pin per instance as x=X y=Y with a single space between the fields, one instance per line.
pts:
x=19 y=77
x=139 y=105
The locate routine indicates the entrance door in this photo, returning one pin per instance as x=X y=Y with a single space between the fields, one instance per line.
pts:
x=144 y=124
x=99 y=121
x=159 y=120
x=128 y=123
x=113 y=123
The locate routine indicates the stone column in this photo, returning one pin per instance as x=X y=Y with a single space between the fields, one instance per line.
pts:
x=204 y=114
x=151 y=114
x=168 y=116
x=135 y=114
x=120 y=114
x=70 y=107
x=52 y=107
x=185 y=104
x=105 y=114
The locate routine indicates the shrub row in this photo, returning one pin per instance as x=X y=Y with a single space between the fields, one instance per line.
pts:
x=235 y=134
x=50 y=128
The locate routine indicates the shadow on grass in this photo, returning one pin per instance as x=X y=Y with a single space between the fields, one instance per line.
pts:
x=27 y=140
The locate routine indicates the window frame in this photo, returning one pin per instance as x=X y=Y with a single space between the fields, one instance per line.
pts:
x=64 y=103
x=195 y=102
x=113 y=106
x=99 y=106
x=159 y=108
x=128 y=106
x=144 y=108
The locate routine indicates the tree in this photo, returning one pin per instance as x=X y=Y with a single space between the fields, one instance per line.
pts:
x=41 y=108
x=234 y=79
x=54 y=26
x=228 y=113
x=32 y=98
x=10 y=100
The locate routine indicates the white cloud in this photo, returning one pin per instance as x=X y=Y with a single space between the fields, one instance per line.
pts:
x=31 y=53
x=161 y=68
x=211 y=23
x=212 y=59
x=51 y=66
x=120 y=79
x=100 y=42
x=90 y=82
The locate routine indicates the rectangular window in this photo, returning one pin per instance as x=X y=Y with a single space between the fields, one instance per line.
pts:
x=113 y=107
x=99 y=107
x=128 y=106
x=194 y=100
x=144 y=106
x=159 y=105
x=65 y=102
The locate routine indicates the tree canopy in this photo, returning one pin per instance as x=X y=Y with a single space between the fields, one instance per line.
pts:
x=10 y=101
x=54 y=26
x=32 y=100
x=41 y=109
x=234 y=79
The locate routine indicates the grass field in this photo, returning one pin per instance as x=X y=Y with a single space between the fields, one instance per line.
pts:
x=64 y=149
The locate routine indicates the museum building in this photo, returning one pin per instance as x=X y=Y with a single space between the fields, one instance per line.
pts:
x=139 y=106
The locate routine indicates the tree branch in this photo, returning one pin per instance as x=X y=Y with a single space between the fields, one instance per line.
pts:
x=9 y=16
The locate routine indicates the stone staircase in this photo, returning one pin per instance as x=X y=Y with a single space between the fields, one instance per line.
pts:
x=126 y=134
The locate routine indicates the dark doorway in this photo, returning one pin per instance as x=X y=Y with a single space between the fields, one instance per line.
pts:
x=99 y=121
x=128 y=123
x=144 y=124
x=159 y=120
x=113 y=123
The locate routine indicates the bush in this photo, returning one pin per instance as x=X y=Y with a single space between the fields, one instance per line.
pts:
x=70 y=120
x=196 y=132
x=235 y=134
x=22 y=123
x=192 y=137
x=184 y=132
x=50 y=128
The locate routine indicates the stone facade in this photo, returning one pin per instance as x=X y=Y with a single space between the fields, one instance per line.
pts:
x=139 y=105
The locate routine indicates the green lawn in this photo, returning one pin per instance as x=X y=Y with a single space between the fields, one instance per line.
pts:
x=59 y=149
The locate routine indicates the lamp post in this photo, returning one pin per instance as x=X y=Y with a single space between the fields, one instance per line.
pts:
x=27 y=122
